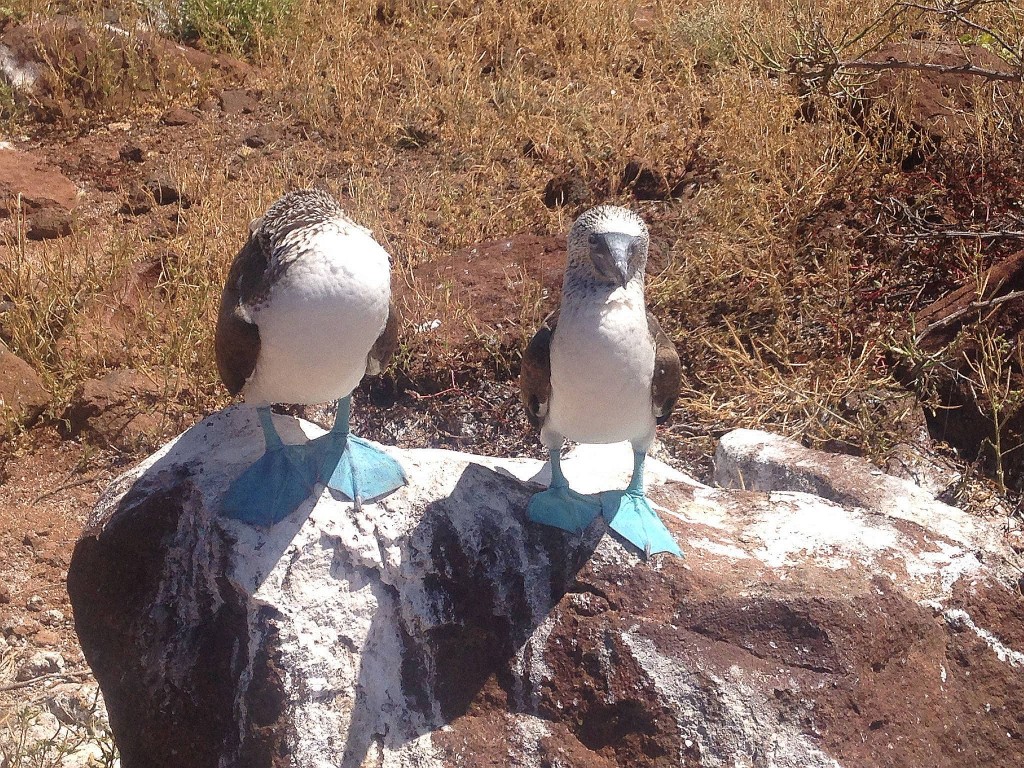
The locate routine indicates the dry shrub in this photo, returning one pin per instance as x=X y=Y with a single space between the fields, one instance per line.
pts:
x=441 y=124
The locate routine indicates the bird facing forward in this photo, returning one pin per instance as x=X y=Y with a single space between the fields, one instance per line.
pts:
x=306 y=311
x=602 y=371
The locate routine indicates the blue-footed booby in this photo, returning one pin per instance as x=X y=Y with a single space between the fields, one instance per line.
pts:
x=601 y=370
x=305 y=313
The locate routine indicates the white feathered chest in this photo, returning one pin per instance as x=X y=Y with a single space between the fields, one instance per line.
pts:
x=602 y=364
x=326 y=305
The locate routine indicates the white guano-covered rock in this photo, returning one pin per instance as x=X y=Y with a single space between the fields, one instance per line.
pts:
x=437 y=627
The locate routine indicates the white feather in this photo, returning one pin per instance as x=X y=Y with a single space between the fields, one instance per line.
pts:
x=321 y=318
x=602 y=364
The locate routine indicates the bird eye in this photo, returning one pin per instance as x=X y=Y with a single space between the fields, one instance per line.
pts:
x=592 y=238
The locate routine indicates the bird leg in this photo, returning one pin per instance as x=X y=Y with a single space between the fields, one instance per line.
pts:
x=631 y=515
x=560 y=506
x=272 y=488
x=354 y=467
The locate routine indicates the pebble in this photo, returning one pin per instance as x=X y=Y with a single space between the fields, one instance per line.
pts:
x=40 y=663
x=53 y=617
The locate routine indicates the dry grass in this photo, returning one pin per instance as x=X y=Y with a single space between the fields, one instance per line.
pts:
x=419 y=113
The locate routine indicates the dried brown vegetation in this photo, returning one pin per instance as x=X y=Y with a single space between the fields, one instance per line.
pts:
x=786 y=180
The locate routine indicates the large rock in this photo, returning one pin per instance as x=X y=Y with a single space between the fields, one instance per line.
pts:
x=439 y=628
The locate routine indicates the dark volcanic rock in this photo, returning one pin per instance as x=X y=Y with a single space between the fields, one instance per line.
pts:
x=132 y=153
x=645 y=181
x=157 y=189
x=165 y=190
x=438 y=627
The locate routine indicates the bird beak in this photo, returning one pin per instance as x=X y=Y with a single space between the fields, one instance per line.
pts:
x=612 y=253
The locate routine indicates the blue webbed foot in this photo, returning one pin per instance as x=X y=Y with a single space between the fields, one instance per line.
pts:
x=561 y=507
x=286 y=475
x=357 y=469
x=630 y=515
x=272 y=488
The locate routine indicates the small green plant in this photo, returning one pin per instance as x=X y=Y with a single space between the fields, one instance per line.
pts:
x=25 y=744
x=8 y=106
x=993 y=388
x=236 y=26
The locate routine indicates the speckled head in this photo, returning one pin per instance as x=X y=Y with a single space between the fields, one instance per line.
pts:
x=296 y=210
x=609 y=245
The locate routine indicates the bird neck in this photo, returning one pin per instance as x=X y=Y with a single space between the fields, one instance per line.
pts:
x=585 y=290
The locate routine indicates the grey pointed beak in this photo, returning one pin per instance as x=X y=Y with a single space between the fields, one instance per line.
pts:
x=612 y=254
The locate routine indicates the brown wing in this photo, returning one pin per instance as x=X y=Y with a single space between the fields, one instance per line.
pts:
x=667 y=372
x=238 y=341
x=385 y=345
x=535 y=374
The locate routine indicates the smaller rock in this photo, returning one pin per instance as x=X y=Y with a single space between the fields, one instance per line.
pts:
x=237 y=101
x=53 y=617
x=566 y=189
x=138 y=201
x=166 y=228
x=35 y=603
x=262 y=136
x=165 y=190
x=158 y=189
x=45 y=638
x=5 y=594
x=177 y=116
x=413 y=137
x=132 y=153
x=209 y=104
x=40 y=663
x=49 y=224
x=21 y=392
x=116 y=409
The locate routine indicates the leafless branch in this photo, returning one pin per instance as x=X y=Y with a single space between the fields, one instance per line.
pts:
x=953 y=234
x=959 y=14
x=51 y=676
x=957 y=69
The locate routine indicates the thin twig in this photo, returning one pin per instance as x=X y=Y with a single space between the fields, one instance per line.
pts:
x=945 y=69
x=952 y=234
x=59 y=488
x=49 y=676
